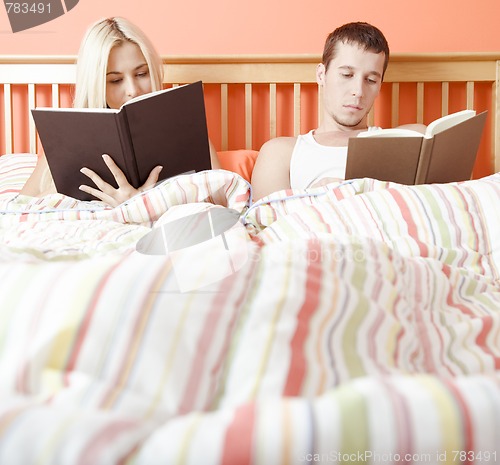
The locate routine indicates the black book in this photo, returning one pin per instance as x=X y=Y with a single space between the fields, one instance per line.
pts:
x=165 y=128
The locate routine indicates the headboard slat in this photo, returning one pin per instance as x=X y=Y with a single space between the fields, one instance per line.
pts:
x=445 y=98
x=7 y=95
x=55 y=95
x=470 y=95
x=224 y=116
x=420 y=102
x=395 y=104
x=296 y=109
x=31 y=124
x=496 y=111
x=273 y=112
x=248 y=116
x=320 y=103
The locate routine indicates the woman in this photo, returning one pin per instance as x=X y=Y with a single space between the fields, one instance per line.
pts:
x=116 y=62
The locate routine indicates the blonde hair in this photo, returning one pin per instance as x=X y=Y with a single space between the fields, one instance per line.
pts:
x=99 y=40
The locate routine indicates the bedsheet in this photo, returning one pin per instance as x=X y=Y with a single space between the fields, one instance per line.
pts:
x=354 y=323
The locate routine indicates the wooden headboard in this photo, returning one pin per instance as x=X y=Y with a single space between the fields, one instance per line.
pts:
x=253 y=98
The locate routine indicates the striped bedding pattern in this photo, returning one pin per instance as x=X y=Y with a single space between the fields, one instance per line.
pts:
x=457 y=223
x=363 y=327
x=216 y=187
x=15 y=169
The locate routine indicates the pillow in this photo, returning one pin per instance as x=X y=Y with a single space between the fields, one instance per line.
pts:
x=15 y=169
x=239 y=161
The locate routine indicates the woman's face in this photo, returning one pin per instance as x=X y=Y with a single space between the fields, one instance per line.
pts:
x=127 y=75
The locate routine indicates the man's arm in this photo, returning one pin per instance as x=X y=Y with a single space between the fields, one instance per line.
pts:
x=271 y=172
x=414 y=127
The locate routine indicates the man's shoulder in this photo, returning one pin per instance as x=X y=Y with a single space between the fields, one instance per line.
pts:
x=280 y=145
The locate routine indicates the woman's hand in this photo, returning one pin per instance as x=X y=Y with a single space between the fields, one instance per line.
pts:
x=116 y=196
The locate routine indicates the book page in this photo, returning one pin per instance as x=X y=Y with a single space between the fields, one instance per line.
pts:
x=80 y=110
x=150 y=94
x=448 y=121
x=391 y=132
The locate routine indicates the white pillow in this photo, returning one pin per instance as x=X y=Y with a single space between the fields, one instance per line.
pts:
x=15 y=169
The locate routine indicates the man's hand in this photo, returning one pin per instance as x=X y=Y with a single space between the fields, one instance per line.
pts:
x=116 y=196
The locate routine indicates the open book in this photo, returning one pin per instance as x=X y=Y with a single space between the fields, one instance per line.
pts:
x=445 y=153
x=165 y=128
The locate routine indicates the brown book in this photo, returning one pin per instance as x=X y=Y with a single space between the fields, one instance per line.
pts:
x=445 y=153
x=165 y=128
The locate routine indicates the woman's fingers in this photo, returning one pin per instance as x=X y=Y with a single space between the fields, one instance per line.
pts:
x=98 y=194
x=152 y=178
x=115 y=196
x=120 y=178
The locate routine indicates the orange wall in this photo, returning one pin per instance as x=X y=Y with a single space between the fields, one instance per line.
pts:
x=269 y=26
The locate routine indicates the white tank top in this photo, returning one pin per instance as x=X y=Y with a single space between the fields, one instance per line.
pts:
x=312 y=161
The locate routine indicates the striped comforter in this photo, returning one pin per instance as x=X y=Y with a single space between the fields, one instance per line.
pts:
x=354 y=323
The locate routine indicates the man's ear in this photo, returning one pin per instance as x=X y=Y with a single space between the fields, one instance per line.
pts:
x=320 y=74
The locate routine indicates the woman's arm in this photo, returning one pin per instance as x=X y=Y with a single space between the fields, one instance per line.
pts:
x=40 y=182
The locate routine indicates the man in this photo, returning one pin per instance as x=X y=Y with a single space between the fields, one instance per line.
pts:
x=354 y=61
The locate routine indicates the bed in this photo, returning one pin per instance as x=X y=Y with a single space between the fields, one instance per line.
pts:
x=358 y=322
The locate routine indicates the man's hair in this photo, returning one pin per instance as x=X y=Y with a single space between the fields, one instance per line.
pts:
x=365 y=35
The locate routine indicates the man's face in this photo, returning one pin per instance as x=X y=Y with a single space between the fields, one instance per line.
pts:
x=350 y=85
